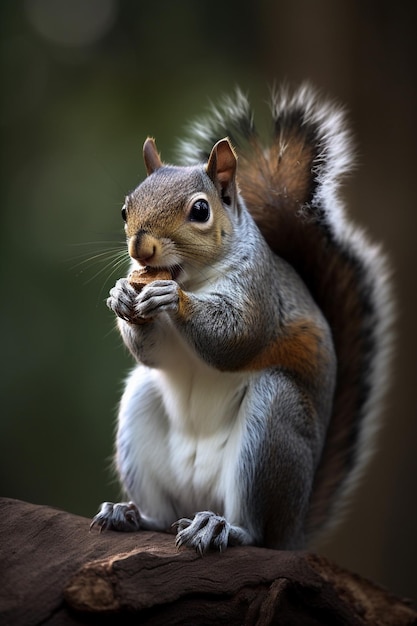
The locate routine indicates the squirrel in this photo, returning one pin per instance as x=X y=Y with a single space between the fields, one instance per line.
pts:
x=262 y=360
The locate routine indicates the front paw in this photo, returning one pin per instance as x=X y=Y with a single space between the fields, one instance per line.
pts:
x=158 y=296
x=122 y=301
x=122 y=516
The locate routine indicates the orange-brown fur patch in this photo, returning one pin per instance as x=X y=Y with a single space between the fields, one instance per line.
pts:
x=299 y=350
x=184 y=305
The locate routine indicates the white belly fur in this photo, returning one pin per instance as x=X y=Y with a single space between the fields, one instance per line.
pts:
x=183 y=428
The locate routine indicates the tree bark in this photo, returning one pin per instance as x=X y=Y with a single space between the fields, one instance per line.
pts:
x=54 y=571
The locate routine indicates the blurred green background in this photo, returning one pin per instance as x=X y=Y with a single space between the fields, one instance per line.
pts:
x=83 y=83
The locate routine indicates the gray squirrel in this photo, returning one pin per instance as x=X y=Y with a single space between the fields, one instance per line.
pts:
x=262 y=359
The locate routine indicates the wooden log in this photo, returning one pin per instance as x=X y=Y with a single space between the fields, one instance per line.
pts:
x=55 y=571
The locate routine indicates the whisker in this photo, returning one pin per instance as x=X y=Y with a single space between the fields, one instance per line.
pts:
x=113 y=263
x=97 y=242
x=110 y=269
x=98 y=258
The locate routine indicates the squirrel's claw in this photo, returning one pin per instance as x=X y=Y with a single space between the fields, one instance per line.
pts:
x=122 y=516
x=206 y=531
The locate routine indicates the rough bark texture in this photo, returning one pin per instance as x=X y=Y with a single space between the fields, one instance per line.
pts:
x=54 y=571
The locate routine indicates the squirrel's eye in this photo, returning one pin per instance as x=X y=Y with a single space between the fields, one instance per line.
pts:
x=124 y=213
x=200 y=211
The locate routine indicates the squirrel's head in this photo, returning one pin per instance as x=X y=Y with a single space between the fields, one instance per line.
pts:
x=181 y=217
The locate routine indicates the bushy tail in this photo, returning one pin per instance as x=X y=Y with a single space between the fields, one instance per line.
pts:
x=290 y=186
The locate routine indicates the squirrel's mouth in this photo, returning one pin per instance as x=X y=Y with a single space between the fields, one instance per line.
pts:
x=174 y=270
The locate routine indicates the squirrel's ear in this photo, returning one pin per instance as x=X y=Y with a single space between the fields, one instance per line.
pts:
x=221 y=167
x=151 y=156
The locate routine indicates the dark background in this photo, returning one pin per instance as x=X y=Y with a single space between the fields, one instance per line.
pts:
x=83 y=83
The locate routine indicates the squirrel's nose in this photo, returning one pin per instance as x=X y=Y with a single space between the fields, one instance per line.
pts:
x=143 y=247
